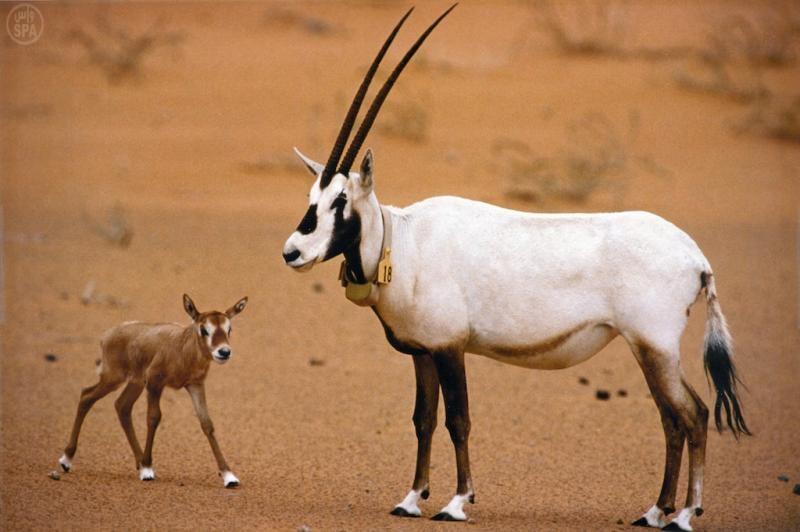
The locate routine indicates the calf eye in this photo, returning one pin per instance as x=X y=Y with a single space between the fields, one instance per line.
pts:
x=203 y=331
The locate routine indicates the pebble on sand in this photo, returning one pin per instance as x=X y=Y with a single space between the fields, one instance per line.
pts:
x=316 y=362
x=602 y=395
x=796 y=489
x=783 y=478
x=50 y=357
x=583 y=380
x=54 y=475
x=622 y=392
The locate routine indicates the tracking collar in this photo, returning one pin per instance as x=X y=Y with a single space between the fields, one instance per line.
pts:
x=368 y=294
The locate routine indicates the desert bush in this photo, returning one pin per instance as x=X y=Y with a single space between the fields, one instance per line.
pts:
x=583 y=27
x=773 y=118
x=119 y=52
x=596 y=156
x=283 y=16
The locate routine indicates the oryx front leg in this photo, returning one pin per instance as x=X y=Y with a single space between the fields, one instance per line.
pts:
x=198 y=394
x=453 y=380
x=146 y=472
x=425 y=409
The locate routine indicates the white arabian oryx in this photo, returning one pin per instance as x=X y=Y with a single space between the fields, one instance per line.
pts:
x=448 y=275
x=153 y=356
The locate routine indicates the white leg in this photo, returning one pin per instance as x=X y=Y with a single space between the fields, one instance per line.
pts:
x=454 y=511
x=229 y=480
x=65 y=463
x=147 y=473
x=409 y=507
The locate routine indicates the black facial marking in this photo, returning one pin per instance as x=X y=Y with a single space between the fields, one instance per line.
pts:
x=346 y=239
x=309 y=221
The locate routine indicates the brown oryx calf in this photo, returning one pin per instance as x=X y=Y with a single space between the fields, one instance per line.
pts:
x=153 y=356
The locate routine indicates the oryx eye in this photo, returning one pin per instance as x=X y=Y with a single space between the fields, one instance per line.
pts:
x=203 y=331
x=340 y=201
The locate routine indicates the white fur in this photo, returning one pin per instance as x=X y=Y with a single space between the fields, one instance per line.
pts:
x=411 y=503
x=147 y=473
x=65 y=462
x=684 y=516
x=228 y=478
x=655 y=517
x=456 y=507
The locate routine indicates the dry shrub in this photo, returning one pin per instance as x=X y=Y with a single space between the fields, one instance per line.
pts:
x=283 y=16
x=773 y=118
x=404 y=119
x=120 y=52
x=584 y=27
x=116 y=229
x=741 y=83
x=596 y=156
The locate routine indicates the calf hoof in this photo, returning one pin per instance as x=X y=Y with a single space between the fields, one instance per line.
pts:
x=425 y=494
x=399 y=511
x=641 y=522
x=229 y=480
x=444 y=516
x=146 y=474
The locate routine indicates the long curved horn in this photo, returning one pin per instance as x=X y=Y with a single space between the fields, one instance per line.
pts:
x=372 y=113
x=347 y=125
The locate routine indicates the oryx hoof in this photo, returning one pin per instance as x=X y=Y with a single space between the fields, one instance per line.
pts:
x=399 y=511
x=146 y=474
x=65 y=463
x=641 y=522
x=444 y=516
x=675 y=526
x=229 y=480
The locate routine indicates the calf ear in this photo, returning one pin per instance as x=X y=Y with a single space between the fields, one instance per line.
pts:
x=188 y=306
x=237 y=308
x=313 y=166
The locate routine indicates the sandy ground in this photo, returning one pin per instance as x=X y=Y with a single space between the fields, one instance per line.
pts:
x=194 y=150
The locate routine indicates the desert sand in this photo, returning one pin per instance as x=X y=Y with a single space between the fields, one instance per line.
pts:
x=146 y=152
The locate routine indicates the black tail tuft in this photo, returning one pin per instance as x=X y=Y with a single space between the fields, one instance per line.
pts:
x=722 y=371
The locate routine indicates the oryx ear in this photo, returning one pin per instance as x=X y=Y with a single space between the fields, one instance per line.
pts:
x=365 y=171
x=313 y=166
x=237 y=308
x=188 y=306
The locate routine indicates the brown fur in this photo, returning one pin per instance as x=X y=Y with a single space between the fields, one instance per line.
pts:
x=151 y=357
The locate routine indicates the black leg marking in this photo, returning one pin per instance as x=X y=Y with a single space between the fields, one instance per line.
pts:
x=399 y=511
x=641 y=522
x=443 y=516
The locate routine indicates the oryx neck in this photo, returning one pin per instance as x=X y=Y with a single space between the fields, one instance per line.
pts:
x=362 y=258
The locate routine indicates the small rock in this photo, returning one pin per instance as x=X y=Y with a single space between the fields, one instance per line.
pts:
x=318 y=288
x=50 y=357
x=64 y=296
x=181 y=484
x=620 y=522
x=602 y=395
x=796 y=489
x=622 y=392
x=316 y=362
x=303 y=528
x=783 y=478
x=54 y=475
x=471 y=521
x=583 y=380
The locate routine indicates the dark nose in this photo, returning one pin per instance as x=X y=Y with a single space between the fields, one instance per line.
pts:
x=224 y=352
x=292 y=255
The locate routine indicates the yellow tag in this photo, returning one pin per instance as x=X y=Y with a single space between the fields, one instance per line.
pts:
x=385 y=267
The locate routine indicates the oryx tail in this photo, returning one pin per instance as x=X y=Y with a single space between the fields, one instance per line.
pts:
x=718 y=361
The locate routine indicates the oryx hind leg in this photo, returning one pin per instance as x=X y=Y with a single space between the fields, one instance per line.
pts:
x=684 y=418
x=425 y=408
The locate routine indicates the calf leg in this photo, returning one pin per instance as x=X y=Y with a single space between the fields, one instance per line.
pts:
x=124 y=405
x=198 y=394
x=453 y=380
x=427 y=403
x=89 y=396
x=153 y=419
